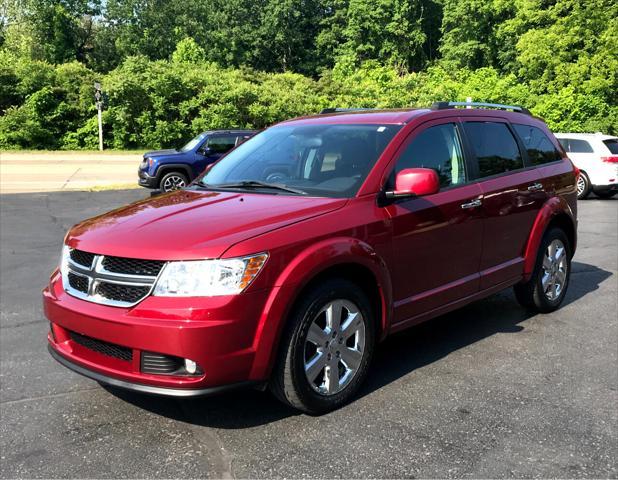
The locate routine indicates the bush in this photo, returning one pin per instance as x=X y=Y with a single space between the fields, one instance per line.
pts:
x=154 y=104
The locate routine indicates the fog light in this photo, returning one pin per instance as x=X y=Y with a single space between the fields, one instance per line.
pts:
x=190 y=366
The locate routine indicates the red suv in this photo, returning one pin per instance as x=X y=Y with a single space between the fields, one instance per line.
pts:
x=285 y=263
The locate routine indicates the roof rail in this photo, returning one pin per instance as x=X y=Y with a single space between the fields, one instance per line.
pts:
x=499 y=106
x=338 y=110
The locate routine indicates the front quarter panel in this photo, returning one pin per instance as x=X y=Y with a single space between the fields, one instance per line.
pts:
x=356 y=234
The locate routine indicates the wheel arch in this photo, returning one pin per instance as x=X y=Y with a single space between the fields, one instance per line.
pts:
x=173 y=167
x=355 y=261
x=555 y=213
x=361 y=276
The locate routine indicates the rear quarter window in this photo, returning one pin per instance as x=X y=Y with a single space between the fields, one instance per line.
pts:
x=577 y=145
x=539 y=147
x=612 y=145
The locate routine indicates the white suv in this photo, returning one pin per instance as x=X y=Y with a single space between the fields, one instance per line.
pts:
x=596 y=156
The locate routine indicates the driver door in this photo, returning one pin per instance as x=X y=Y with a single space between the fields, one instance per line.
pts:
x=436 y=238
x=213 y=149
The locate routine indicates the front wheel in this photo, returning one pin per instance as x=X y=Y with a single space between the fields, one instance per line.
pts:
x=173 y=181
x=326 y=349
x=545 y=290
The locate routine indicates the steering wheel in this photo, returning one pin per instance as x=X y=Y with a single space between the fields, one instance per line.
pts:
x=276 y=177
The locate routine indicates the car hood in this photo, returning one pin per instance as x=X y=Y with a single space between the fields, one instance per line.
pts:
x=189 y=224
x=161 y=153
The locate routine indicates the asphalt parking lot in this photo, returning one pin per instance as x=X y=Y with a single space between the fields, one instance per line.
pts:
x=487 y=391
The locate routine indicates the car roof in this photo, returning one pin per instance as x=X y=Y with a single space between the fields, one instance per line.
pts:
x=586 y=136
x=388 y=117
x=402 y=116
x=211 y=132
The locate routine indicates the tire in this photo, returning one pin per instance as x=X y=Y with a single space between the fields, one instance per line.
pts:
x=583 y=186
x=605 y=195
x=535 y=294
x=173 y=181
x=300 y=358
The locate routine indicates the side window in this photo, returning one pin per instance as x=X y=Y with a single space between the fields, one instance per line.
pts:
x=579 y=146
x=612 y=145
x=221 y=144
x=438 y=148
x=539 y=147
x=242 y=139
x=565 y=143
x=495 y=147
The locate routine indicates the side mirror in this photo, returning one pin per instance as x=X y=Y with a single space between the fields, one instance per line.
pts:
x=415 y=182
x=206 y=151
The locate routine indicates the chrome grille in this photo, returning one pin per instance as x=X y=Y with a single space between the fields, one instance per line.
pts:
x=115 y=281
x=132 y=266
x=123 y=293
x=78 y=282
x=82 y=258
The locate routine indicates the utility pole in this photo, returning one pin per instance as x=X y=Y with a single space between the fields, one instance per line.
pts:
x=98 y=96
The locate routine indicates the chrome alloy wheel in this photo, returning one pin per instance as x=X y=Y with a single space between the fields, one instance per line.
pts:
x=334 y=347
x=173 y=182
x=555 y=267
x=581 y=184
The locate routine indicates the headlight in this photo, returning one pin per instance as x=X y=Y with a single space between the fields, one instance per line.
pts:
x=208 y=278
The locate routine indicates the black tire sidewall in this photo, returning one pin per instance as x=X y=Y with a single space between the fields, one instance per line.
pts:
x=303 y=317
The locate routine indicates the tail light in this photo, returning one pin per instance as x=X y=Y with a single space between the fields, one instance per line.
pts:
x=576 y=171
x=610 y=159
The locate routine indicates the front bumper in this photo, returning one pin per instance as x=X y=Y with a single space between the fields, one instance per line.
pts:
x=218 y=333
x=145 y=180
x=149 y=389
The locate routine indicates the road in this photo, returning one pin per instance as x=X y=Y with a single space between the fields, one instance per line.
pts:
x=22 y=172
x=487 y=391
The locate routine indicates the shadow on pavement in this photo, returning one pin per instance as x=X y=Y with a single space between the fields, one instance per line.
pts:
x=396 y=357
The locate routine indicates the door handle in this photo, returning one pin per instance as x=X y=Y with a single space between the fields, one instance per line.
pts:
x=472 y=204
x=535 y=187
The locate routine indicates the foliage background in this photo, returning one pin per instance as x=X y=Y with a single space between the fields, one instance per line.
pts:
x=172 y=69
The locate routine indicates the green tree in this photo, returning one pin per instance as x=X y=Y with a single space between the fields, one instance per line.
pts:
x=389 y=31
x=189 y=51
x=469 y=37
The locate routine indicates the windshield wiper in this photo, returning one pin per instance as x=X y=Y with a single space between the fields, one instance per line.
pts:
x=257 y=184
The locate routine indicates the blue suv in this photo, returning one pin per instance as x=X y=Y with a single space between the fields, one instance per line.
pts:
x=170 y=170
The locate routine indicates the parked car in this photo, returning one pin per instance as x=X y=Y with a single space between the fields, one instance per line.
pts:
x=596 y=156
x=169 y=170
x=290 y=259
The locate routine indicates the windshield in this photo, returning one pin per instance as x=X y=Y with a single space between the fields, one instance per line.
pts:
x=193 y=143
x=317 y=160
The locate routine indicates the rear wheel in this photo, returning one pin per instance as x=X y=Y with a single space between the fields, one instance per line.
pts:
x=173 y=181
x=545 y=290
x=326 y=349
x=583 y=186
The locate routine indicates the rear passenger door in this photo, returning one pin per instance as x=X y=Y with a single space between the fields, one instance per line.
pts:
x=512 y=197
